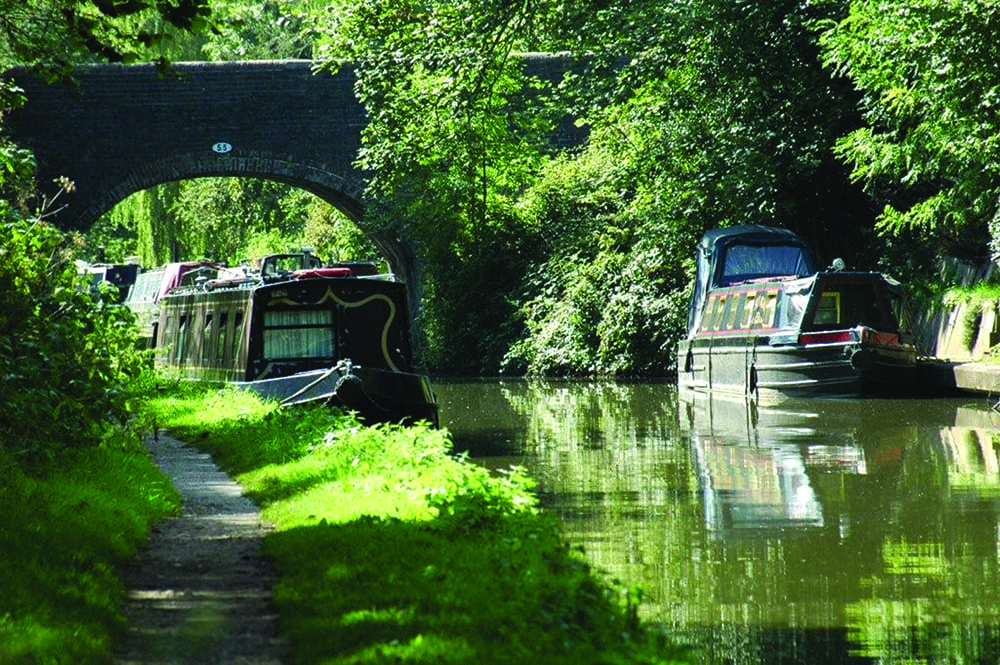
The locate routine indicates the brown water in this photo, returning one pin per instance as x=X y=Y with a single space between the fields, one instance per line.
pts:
x=836 y=531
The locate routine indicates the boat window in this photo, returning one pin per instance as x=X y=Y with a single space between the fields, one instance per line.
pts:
x=206 y=341
x=744 y=263
x=720 y=313
x=182 y=339
x=731 y=319
x=708 y=315
x=828 y=309
x=167 y=341
x=749 y=303
x=237 y=334
x=770 y=310
x=298 y=333
x=220 y=351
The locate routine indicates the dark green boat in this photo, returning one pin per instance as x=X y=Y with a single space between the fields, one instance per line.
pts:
x=765 y=322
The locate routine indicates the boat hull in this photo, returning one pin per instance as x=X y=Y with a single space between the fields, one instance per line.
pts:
x=752 y=366
x=376 y=395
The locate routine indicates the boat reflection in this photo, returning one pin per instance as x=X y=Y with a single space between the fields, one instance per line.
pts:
x=764 y=469
x=876 y=517
x=754 y=463
x=815 y=531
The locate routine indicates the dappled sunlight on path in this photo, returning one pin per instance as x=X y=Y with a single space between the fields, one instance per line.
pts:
x=200 y=593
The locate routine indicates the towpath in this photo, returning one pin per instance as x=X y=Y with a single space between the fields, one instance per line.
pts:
x=200 y=592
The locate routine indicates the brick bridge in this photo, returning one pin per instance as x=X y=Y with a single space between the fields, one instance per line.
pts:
x=124 y=129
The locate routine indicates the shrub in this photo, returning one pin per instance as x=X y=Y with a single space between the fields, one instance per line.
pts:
x=67 y=354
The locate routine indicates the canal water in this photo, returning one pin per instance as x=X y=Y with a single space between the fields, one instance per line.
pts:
x=814 y=531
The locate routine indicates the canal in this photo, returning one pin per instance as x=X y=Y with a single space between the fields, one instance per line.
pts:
x=814 y=531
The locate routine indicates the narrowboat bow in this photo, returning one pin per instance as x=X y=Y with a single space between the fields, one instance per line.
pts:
x=764 y=322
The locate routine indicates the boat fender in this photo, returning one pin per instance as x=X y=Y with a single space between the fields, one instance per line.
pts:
x=861 y=359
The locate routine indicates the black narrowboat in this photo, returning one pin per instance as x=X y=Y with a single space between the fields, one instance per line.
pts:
x=765 y=322
x=297 y=331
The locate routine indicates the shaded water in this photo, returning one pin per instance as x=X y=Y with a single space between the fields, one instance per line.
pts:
x=836 y=531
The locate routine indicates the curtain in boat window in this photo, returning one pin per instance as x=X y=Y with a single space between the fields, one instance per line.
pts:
x=290 y=334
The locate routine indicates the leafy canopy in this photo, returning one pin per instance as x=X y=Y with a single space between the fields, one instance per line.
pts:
x=931 y=98
x=53 y=35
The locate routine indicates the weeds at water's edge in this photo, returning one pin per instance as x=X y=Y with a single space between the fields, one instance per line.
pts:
x=390 y=549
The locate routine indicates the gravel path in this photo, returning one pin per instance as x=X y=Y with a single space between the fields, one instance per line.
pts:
x=200 y=593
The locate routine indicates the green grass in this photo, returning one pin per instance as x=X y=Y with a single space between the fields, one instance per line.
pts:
x=390 y=549
x=62 y=533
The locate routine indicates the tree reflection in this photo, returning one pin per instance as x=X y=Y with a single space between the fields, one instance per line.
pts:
x=809 y=532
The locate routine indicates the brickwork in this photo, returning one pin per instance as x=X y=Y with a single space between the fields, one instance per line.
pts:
x=122 y=129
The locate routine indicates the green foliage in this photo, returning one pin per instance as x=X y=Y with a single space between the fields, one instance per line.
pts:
x=226 y=219
x=68 y=360
x=270 y=30
x=451 y=142
x=62 y=536
x=612 y=297
x=54 y=35
x=930 y=97
x=16 y=163
x=387 y=547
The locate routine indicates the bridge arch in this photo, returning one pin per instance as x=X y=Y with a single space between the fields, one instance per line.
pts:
x=120 y=129
x=344 y=191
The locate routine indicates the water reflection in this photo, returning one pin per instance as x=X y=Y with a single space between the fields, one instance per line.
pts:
x=814 y=532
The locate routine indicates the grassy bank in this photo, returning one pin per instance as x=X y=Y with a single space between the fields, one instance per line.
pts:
x=63 y=529
x=389 y=549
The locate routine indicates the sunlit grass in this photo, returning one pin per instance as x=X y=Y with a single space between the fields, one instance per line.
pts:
x=61 y=537
x=390 y=549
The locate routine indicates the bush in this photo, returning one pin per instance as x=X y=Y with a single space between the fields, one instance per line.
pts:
x=68 y=356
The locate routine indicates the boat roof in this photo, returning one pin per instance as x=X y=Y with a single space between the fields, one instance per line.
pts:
x=751 y=232
x=718 y=239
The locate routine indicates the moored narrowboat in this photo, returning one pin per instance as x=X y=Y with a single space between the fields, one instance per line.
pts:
x=765 y=322
x=297 y=331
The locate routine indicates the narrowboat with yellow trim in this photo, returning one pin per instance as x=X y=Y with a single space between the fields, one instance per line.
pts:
x=297 y=331
x=765 y=322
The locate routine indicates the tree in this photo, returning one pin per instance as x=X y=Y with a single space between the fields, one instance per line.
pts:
x=931 y=92
x=448 y=150
x=54 y=35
